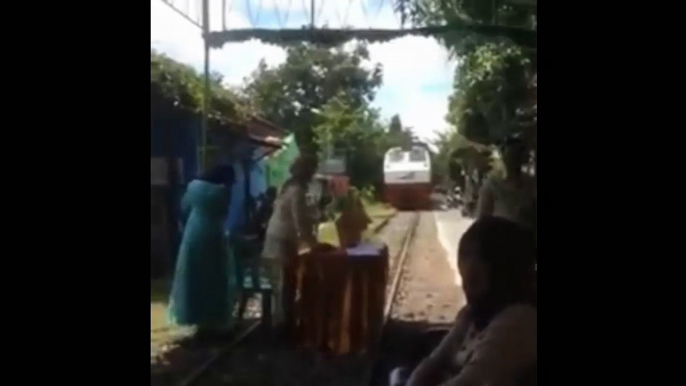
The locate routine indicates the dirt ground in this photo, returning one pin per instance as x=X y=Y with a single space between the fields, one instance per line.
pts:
x=427 y=290
x=393 y=235
x=262 y=363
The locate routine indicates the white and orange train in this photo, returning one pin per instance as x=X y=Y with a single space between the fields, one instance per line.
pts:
x=407 y=177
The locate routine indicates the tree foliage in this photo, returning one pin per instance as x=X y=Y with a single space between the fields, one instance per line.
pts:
x=335 y=37
x=457 y=155
x=399 y=135
x=358 y=135
x=443 y=165
x=177 y=88
x=295 y=92
x=396 y=125
x=510 y=21
x=494 y=86
x=324 y=96
x=321 y=94
x=490 y=91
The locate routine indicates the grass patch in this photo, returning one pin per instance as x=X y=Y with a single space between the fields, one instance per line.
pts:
x=377 y=211
x=159 y=290
x=159 y=296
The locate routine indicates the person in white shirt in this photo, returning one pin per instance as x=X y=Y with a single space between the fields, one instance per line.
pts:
x=290 y=226
x=512 y=196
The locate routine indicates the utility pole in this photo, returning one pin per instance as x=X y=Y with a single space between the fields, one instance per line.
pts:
x=202 y=159
x=312 y=14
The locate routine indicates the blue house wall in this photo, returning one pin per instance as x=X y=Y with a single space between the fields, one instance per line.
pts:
x=186 y=138
x=258 y=185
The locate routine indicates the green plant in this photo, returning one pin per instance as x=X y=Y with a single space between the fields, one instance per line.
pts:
x=177 y=88
x=368 y=194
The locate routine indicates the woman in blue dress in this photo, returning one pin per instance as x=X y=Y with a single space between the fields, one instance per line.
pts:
x=201 y=293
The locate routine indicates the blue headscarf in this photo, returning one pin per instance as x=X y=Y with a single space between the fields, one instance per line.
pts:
x=219 y=175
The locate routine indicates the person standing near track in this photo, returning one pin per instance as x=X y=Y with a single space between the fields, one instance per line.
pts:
x=513 y=196
x=289 y=225
x=201 y=295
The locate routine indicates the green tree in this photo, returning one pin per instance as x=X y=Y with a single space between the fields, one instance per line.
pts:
x=515 y=14
x=490 y=89
x=457 y=155
x=494 y=90
x=293 y=94
x=176 y=88
x=399 y=135
x=396 y=125
x=443 y=165
x=494 y=87
x=358 y=135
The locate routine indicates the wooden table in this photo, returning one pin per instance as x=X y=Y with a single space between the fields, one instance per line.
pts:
x=339 y=299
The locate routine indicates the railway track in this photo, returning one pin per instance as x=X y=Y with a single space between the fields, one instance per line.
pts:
x=399 y=265
x=199 y=371
x=424 y=295
x=397 y=274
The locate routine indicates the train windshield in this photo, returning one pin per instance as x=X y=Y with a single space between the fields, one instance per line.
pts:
x=417 y=155
x=396 y=156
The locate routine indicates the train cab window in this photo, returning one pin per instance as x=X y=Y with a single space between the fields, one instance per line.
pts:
x=396 y=156
x=417 y=155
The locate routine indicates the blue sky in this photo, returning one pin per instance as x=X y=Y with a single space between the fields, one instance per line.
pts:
x=417 y=73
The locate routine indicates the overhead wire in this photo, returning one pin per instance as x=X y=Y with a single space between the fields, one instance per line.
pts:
x=282 y=19
x=344 y=20
x=253 y=18
x=365 y=14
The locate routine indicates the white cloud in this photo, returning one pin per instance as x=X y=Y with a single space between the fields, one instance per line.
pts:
x=417 y=82
x=417 y=73
x=180 y=39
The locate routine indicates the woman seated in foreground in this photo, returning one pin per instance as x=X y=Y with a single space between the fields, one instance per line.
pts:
x=493 y=339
